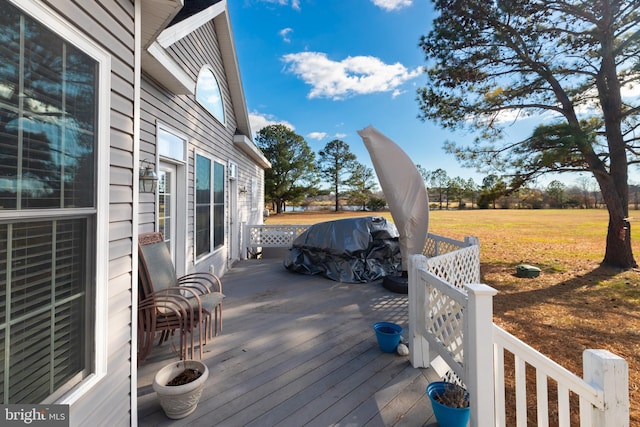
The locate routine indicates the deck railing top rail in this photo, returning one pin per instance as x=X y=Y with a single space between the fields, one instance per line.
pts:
x=282 y=236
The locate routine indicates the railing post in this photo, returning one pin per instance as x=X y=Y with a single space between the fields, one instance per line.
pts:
x=610 y=373
x=478 y=354
x=243 y=240
x=471 y=240
x=246 y=237
x=418 y=344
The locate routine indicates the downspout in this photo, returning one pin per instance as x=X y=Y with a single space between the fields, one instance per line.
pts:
x=137 y=54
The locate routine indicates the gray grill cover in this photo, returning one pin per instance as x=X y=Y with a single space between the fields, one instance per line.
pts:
x=354 y=250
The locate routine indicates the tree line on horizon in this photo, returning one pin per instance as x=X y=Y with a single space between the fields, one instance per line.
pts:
x=299 y=177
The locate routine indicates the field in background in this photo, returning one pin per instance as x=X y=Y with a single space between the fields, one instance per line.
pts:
x=574 y=305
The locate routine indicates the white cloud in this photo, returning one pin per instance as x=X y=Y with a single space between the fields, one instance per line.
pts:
x=258 y=121
x=317 y=135
x=295 y=4
x=354 y=75
x=284 y=33
x=630 y=92
x=392 y=4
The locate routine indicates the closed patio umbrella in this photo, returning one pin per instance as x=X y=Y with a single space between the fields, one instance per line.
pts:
x=404 y=190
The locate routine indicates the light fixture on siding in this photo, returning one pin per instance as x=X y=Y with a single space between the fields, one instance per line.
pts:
x=148 y=178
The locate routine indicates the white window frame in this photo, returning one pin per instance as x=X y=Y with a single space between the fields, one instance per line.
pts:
x=181 y=196
x=197 y=258
x=224 y=205
x=254 y=194
x=49 y=19
x=204 y=103
x=161 y=127
x=212 y=249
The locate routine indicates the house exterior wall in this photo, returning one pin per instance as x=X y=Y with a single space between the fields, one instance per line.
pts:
x=206 y=136
x=110 y=23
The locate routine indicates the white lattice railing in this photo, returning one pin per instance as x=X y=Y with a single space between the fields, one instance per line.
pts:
x=439 y=245
x=282 y=236
x=451 y=314
x=271 y=236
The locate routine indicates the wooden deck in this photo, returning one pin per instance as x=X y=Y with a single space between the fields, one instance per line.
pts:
x=299 y=350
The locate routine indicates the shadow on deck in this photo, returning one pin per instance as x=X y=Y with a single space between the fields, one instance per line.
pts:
x=299 y=350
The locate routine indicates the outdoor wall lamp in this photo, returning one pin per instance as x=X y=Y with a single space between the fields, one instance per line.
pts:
x=148 y=178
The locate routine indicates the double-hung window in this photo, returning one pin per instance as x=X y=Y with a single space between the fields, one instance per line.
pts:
x=210 y=207
x=49 y=132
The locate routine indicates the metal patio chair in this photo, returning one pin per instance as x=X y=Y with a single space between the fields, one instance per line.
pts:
x=167 y=303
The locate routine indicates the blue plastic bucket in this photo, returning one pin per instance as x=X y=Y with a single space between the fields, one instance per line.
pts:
x=446 y=415
x=388 y=335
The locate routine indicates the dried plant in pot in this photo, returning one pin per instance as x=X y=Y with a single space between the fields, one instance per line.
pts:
x=179 y=386
x=450 y=403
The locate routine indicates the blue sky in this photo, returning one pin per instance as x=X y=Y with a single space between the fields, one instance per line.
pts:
x=328 y=68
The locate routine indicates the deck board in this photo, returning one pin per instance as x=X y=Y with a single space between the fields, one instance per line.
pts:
x=299 y=350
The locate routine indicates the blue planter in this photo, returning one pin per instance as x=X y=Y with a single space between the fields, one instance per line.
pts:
x=388 y=335
x=446 y=415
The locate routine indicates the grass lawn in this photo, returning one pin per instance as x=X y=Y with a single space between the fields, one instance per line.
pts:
x=574 y=305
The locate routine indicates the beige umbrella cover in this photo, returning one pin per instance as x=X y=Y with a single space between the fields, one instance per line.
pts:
x=403 y=188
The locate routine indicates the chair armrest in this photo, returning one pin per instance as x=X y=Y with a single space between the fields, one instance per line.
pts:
x=167 y=304
x=207 y=280
x=179 y=299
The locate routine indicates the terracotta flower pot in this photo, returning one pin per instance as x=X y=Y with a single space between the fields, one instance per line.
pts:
x=178 y=401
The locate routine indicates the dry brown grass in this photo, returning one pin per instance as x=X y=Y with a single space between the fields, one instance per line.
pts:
x=575 y=304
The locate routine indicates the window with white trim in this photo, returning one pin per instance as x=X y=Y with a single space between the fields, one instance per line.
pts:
x=254 y=194
x=208 y=93
x=209 y=206
x=171 y=144
x=218 y=205
x=50 y=118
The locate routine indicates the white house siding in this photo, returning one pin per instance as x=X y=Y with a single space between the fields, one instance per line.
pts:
x=110 y=24
x=206 y=136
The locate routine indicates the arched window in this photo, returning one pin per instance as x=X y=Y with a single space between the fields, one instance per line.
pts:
x=208 y=93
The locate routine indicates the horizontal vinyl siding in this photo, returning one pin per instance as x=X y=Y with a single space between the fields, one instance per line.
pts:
x=205 y=134
x=110 y=24
x=194 y=51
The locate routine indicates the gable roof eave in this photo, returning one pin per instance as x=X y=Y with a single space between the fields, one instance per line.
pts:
x=156 y=15
x=219 y=14
x=155 y=62
x=232 y=70
x=184 y=25
x=249 y=148
x=158 y=64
